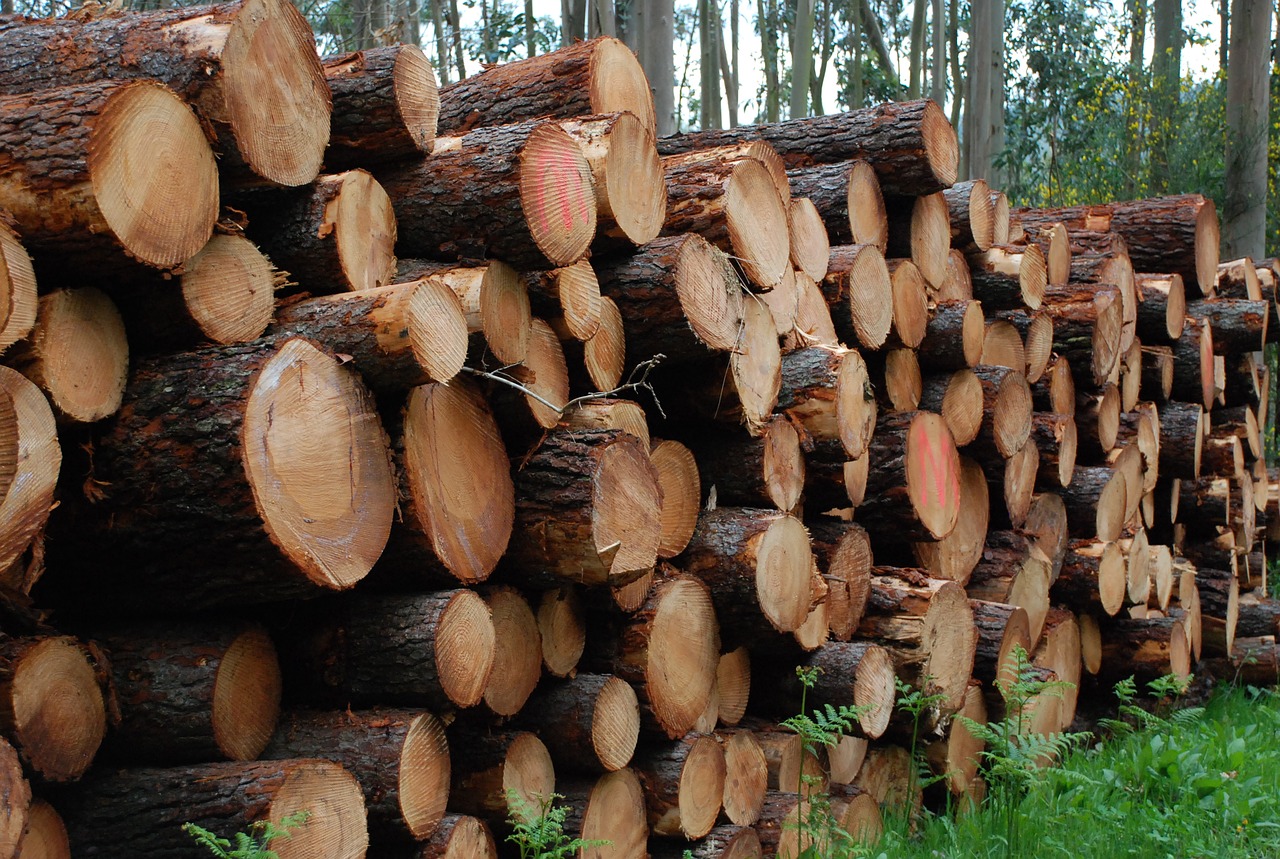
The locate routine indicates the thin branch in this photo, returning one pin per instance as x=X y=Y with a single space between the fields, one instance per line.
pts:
x=637 y=380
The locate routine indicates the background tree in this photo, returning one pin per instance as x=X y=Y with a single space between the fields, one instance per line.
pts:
x=1244 y=217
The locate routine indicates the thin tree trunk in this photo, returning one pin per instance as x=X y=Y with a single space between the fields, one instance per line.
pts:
x=1224 y=35
x=735 y=12
x=857 y=94
x=801 y=58
x=819 y=78
x=917 y=48
x=938 y=86
x=727 y=76
x=454 y=18
x=530 y=28
x=709 y=63
x=876 y=39
x=1166 y=76
x=442 y=42
x=1133 y=96
x=573 y=23
x=957 y=79
x=600 y=20
x=654 y=25
x=768 y=25
x=977 y=118
x=1244 y=217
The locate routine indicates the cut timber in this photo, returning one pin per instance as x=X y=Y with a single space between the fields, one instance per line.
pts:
x=26 y=826
x=1193 y=354
x=758 y=564
x=17 y=288
x=495 y=770
x=1111 y=267
x=731 y=200
x=413 y=650
x=750 y=387
x=824 y=390
x=494 y=299
x=398 y=336
x=28 y=498
x=1093 y=572
x=457 y=502
x=681 y=488
x=843 y=553
x=684 y=785
x=919 y=228
x=599 y=76
x=859 y=292
x=1175 y=234
x=1087 y=322
x=810 y=244
x=631 y=195
x=1001 y=629
x=733 y=685
x=77 y=353
x=1238 y=279
x=927 y=627
x=1055 y=243
x=1238 y=325
x=102 y=174
x=847 y=198
x=1056 y=389
x=910 y=303
x=1162 y=307
x=562 y=629
x=590 y=722
x=955 y=555
x=1047 y=523
x=899 y=381
x=678 y=296
x=1252 y=660
x=605 y=354
x=1157 y=373
x=959 y=755
x=399 y=757
x=51 y=708
x=914 y=488
x=1060 y=652
x=574 y=291
x=459 y=836
x=1002 y=345
x=1000 y=218
x=336 y=235
x=783 y=302
x=1096 y=502
x=146 y=808
x=1006 y=277
x=385 y=106
x=746 y=776
x=813 y=323
x=1019 y=482
x=972 y=216
x=727 y=841
x=1055 y=437
x=45 y=836
x=610 y=813
x=954 y=337
x=300 y=492
x=588 y=509
x=958 y=285
x=249 y=68
x=958 y=398
x=192 y=692
x=1006 y=410
x=850 y=674
x=910 y=144
x=1035 y=328
x=786 y=759
x=519 y=193
x=762 y=471
x=1013 y=571
x=517 y=654
x=1147 y=649
x=1097 y=417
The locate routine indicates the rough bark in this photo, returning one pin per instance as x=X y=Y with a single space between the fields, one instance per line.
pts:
x=385 y=106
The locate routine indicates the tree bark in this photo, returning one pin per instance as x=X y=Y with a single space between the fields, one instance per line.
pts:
x=385 y=106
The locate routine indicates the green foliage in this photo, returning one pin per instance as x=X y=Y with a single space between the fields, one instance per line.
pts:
x=538 y=831
x=917 y=703
x=247 y=845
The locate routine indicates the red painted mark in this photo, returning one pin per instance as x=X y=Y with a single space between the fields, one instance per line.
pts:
x=562 y=167
x=938 y=470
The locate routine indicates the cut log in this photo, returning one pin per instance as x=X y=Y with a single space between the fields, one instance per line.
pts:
x=783 y=301
x=1238 y=325
x=146 y=808
x=1147 y=649
x=684 y=784
x=730 y=199
x=896 y=376
x=192 y=692
x=1054 y=242
x=681 y=488
x=758 y=565
x=746 y=777
x=399 y=757
x=1111 y=267
x=517 y=656
x=972 y=215
x=1096 y=502
x=843 y=553
x=910 y=303
x=27 y=826
x=910 y=144
x=813 y=323
x=398 y=336
x=846 y=196
x=849 y=674
x=573 y=292
x=955 y=555
x=914 y=489
x=498 y=774
x=1018 y=483
x=45 y=836
x=1094 y=572
x=249 y=68
x=1006 y=411
x=590 y=723
x=954 y=337
x=432 y=650
x=33 y=461
x=733 y=685
x=859 y=293
x=385 y=105
x=17 y=288
x=1006 y=277
x=1193 y=352
x=1258 y=617
x=1183 y=427
x=678 y=296
x=810 y=244
x=1162 y=307
x=1177 y=234
x=521 y=193
x=105 y=176
x=825 y=391
x=1013 y=571
x=1137 y=551
x=1097 y=417
x=958 y=285
x=1001 y=629
x=494 y=299
x=336 y=235
x=630 y=192
x=919 y=228
x=959 y=755
x=958 y=398
x=1059 y=652
x=1087 y=322
x=1056 y=390
x=756 y=472
x=1036 y=330
x=1157 y=373
x=609 y=811
x=598 y=76
x=77 y=353
x=727 y=841
x=1242 y=422
x=605 y=354
x=746 y=391
x=588 y=509
x=562 y=631
x=1238 y=279
x=459 y=836
x=1002 y=346
x=1055 y=437
x=1252 y=660
x=927 y=627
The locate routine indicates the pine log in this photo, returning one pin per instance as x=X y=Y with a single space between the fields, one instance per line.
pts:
x=1238 y=279
x=562 y=630
x=520 y=193
x=1002 y=345
x=588 y=509
x=459 y=836
x=954 y=337
x=1014 y=570
x=846 y=195
x=17 y=288
x=684 y=784
x=849 y=674
x=249 y=68
x=955 y=556
x=1006 y=412
x=681 y=487
x=1258 y=617
x=336 y=235
x=1157 y=373
x=385 y=105
x=498 y=774
x=1054 y=242
x=432 y=650
x=301 y=493
x=1162 y=307
x=572 y=293
x=958 y=285
x=727 y=841
x=1006 y=277
x=1000 y=217
x=191 y=692
x=843 y=553
x=1147 y=649
x=810 y=243
x=45 y=836
x=1018 y=483
x=77 y=353
x=1055 y=391
x=824 y=390
x=1060 y=653
x=859 y=292
x=1252 y=660
x=1035 y=327
x=746 y=776
x=32 y=462
x=399 y=757
x=678 y=296
x=743 y=387
x=813 y=324
x=910 y=144
x=1087 y=323
x=598 y=76
x=105 y=176
x=1238 y=325
x=1055 y=437
x=972 y=216
x=1111 y=267
x=631 y=195
x=1097 y=417
x=1242 y=422
x=1094 y=572
x=495 y=302
x=1183 y=427
x=1001 y=629
x=24 y=823
x=896 y=377
x=145 y=808
x=759 y=471
x=919 y=228
x=517 y=658
x=1238 y=380
x=1193 y=364
x=958 y=756
x=915 y=485
x=1219 y=592
x=958 y=398
x=609 y=810
x=590 y=723
x=910 y=304
x=783 y=302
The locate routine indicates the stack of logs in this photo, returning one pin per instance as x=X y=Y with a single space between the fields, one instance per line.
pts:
x=403 y=456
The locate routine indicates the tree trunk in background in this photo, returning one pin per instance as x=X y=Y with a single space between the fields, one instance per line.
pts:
x=976 y=141
x=735 y=71
x=709 y=63
x=1166 y=78
x=573 y=21
x=456 y=32
x=818 y=79
x=938 y=85
x=727 y=77
x=442 y=42
x=917 y=48
x=875 y=38
x=857 y=95
x=653 y=23
x=768 y=25
x=1224 y=34
x=1244 y=216
x=801 y=58
x=1133 y=98
x=530 y=28
x=957 y=80
x=996 y=175
x=600 y=19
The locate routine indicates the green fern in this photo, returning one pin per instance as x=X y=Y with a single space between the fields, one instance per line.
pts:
x=538 y=831
x=247 y=845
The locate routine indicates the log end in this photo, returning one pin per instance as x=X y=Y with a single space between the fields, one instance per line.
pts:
x=931 y=237
x=618 y=84
x=746 y=778
x=229 y=290
x=605 y=354
x=810 y=246
x=757 y=223
x=733 y=685
x=1058 y=259
x=626 y=509
x=701 y=791
x=46 y=834
x=364 y=230
x=981 y=215
x=784 y=564
x=950 y=638
x=615 y=724
x=973 y=333
x=336 y=823
x=636 y=188
x=933 y=474
x=870 y=296
x=710 y=293
x=154 y=177
x=941 y=145
x=505 y=314
x=423 y=780
x=546 y=361
x=681 y=495
x=17 y=289
x=529 y=773
x=562 y=630
x=466 y=648
x=25 y=508
x=1033 y=276
x=275 y=95
x=316 y=458
x=437 y=329
x=1207 y=244
x=910 y=303
x=616 y=813
x=962 y=406
x=683 y=654
x=756 y=366
x=855 y=406
x=783 y=464
x=246 y=696
x=868 y=221
x=578 y=290
x=57 y=712
x=1011 y=416
x=81 y=353
x=417 y=95
x=557 y=194
x=873 y=688
x=25 y=824
x=517 y=663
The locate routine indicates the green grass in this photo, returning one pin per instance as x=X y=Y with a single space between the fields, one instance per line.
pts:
x=1194 y=784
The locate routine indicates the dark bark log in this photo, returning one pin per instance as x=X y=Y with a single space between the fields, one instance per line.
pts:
x=1238 y=325
x=1087 y=323
x=913 y=488
x=385 y=106
x=683 y=784
x=590 y=723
